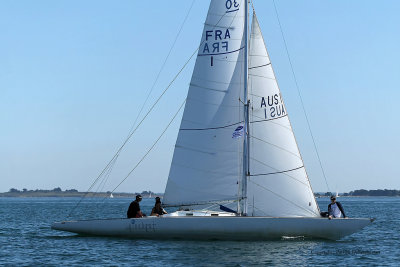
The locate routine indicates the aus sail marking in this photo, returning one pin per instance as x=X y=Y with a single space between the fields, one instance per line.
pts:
x=273 y=106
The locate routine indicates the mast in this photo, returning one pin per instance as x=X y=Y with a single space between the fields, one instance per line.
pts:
x=246 y=141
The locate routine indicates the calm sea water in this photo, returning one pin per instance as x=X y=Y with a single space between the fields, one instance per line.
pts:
x=26 y=239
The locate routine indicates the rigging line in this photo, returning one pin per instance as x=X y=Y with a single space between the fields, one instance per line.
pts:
x=169 y=85
x=276 y=194
x=260 y=76
x=209 y=88
x=163 y=65
x=260 y=66
x=155 y=105
x=276 y=146
x=93 y=184
x=108 y=175
x=145 y=116
x=216 y=202
x=114 y=159
x=208 y=209
x=286 y=174
x=151 y=148
x=140 y=123
x=265 y=174
x=252 y=5
x=301 y=99
x=213 y=128
x=102 y=183
x=254 y=207
x=216 y=54
x=156 y=80
x=140 y=161
x=273 y=122
x=130 y=135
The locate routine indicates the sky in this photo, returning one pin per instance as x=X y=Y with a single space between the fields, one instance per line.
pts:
x=74 y=75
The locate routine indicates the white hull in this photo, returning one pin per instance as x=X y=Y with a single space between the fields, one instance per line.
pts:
x=223 y=228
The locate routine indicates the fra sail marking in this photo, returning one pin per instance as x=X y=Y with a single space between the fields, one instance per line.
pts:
x=221 y=42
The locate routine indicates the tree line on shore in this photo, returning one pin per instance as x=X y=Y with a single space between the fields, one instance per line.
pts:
x=13 y=192
x=365 y=193
x=72 y=192
x=57 y=189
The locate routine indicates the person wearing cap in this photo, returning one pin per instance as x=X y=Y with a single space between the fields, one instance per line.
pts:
x=134 y=208
x=335 y=209
x=158 y=209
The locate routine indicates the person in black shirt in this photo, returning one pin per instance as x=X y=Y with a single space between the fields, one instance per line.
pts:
x=134 y=208
x=158 y=210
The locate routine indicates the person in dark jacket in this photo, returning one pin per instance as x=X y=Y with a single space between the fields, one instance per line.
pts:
x=158 y=209
x=335 y=209
x=134 y=208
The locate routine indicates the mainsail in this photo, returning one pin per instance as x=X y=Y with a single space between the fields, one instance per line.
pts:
x=207 y=165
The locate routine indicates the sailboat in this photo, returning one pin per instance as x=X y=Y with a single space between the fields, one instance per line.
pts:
x=236 y=173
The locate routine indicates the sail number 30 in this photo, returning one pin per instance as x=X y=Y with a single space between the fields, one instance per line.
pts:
x=229 y=4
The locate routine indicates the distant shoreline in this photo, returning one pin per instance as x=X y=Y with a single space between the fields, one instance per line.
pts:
x=363 y=193
x=79 y=194
x=57 y=192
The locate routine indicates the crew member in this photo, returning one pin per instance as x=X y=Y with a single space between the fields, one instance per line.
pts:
x=134 y=208
x=158 y=209
x=335 y=209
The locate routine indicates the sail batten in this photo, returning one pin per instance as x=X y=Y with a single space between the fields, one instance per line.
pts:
x=213 y=128
x=255 y=67
x=222 y=53
x=278 y=172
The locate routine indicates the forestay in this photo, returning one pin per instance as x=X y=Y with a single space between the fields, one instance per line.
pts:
x=207 y=161
x=278 y=184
